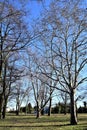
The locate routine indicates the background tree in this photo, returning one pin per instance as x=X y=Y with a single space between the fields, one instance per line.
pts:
x=42 y=93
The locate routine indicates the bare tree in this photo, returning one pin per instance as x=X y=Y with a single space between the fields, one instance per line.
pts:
x=14 y=36
x=11 y=73
x=41 y=91
x=65 y=28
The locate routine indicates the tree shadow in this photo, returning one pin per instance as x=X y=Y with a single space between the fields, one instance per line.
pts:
x=33 y=120
x=36 y=126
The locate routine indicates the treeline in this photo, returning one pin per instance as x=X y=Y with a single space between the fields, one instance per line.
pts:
x=60 y=108
x=57 y=109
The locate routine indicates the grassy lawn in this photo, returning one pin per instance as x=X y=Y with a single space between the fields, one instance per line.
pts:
x=55 y=122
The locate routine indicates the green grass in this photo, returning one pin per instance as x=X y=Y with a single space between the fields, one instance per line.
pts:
x=55 y=122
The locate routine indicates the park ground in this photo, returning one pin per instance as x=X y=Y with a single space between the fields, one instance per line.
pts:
x=55 y=122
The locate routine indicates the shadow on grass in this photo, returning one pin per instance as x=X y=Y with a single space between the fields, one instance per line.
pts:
x=83 y=127
x=36 y=126
x=34 y=120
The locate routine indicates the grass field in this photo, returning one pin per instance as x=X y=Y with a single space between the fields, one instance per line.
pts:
x=55 y=122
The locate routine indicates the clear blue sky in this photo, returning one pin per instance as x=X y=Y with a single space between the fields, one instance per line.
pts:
x=36 y=6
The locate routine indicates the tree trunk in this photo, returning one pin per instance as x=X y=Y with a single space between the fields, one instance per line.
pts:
x=17 y=106
x=49 y=109
x=1 y=106
x=42 y=112
x=4 y=108
x=38 y=111
x=42 y=109
x=65 y=108
x=4 y=111
x=73 y=120
x=38 y=114
x=17 y=110
x=65 y=104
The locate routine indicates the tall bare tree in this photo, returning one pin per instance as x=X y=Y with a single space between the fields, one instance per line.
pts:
x=64 y=27
x=14 y=36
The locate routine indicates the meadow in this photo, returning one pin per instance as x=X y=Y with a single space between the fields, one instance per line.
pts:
x=55 y=122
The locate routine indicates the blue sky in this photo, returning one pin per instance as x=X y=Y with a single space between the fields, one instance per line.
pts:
x=35 y=7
